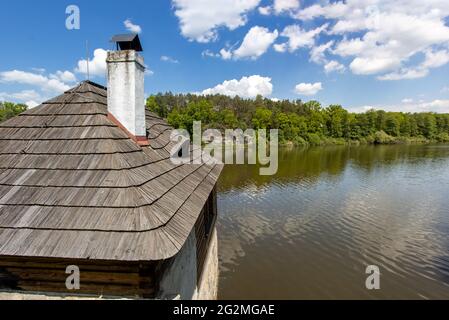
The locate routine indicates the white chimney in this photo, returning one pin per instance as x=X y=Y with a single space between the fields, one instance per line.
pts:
x=126 y=101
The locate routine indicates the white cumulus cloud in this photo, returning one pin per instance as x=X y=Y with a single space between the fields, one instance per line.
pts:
x=169 y=59
x=279 y=7
x=265 y=11
x=21 y=96
x=331 y=11
x=64 y=76
x=148 y=71
x=256 y=43
x=298 y=37
x=29 y=97
x=38 y=80
x=374 y=65
x=432 y=60
x=318 y=53
x=334 y=66
x=246 y=87
x=285 y=5
x=200 y=19
x=308 y=89
x=32 y=104
x=97 y=65
x=280 y=47
x=210 y=54
x=408 y=105
x=394 y=40
x=39 y=86
x=131 y=27
x=225 y=54
x=318 y=56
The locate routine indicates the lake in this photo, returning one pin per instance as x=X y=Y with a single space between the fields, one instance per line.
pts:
x=310 y=231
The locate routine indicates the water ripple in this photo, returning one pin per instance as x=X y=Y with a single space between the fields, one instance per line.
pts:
x=311 y=231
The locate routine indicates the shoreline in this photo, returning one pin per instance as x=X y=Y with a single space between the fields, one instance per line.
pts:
x=331 y=142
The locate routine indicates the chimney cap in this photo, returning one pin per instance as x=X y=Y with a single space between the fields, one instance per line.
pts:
x=127 y=42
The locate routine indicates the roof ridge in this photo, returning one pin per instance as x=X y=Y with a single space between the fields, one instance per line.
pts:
x=88 y=86
x=89 y=82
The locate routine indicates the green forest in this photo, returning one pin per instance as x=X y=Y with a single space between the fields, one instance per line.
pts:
x=9 y=110
x=301 y=123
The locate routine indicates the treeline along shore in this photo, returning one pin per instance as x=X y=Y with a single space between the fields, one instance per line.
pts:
x=301 y=123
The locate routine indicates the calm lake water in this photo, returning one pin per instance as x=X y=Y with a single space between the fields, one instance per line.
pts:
x=310 y=231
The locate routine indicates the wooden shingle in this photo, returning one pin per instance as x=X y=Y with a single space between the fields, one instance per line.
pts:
x=73 y=185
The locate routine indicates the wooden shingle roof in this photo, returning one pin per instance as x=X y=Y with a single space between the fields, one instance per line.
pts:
x=73 y=185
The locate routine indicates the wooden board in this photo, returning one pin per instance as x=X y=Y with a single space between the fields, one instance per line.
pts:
x=96 y=278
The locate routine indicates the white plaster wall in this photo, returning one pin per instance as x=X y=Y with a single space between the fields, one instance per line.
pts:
x=208 y=287
x=180 y=279
x=126 y=101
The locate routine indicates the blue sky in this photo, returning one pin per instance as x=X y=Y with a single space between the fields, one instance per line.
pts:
x=366 y=53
